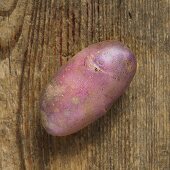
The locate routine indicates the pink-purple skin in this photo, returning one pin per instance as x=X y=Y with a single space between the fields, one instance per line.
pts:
x=86 y=87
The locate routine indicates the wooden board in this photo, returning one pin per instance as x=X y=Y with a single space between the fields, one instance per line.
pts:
x=37 y=37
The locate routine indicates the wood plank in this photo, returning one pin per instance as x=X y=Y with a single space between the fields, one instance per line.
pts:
x=37 y=37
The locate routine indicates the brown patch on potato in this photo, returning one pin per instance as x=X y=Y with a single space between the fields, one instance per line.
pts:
x=56 y=110
x=50 y=125
x=88 y=108
x=54 y=90
x=75 y=100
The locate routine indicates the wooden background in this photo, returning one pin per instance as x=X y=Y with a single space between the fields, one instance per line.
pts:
x=37 y=37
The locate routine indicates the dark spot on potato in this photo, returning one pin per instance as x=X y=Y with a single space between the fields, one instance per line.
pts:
x=84 y=63
x=116 y=78
x=96 y=69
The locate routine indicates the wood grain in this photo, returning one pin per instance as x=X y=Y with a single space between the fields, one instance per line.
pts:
x=37 y=37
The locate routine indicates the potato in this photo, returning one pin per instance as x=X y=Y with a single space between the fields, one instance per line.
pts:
x=84 y=89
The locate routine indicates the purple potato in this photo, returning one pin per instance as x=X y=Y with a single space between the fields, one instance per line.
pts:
x=86 y=87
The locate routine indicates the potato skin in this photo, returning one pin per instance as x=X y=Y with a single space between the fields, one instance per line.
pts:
x=86 y=87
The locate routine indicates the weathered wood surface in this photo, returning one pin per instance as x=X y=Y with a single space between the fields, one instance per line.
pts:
x=37 y=37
